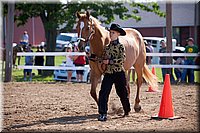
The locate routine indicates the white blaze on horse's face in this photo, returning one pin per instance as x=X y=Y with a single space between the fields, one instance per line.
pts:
x=81 y=27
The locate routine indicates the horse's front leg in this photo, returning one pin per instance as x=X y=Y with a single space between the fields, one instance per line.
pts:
x=14 y=61
x=94 y=82
x=19 y=57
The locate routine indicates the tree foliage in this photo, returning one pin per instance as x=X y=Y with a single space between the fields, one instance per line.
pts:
x=55 y=14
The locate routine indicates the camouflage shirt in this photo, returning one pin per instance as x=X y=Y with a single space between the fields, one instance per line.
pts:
x=115 y=52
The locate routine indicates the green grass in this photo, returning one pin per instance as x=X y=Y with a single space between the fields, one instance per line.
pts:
x=17 y=74
x=159 y=75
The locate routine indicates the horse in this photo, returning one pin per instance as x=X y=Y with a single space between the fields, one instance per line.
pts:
x=90 y=30
x=17 y=48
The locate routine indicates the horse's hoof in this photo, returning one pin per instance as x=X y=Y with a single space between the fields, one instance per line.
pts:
x=137 y=108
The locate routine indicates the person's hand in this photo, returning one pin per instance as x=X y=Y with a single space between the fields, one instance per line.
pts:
x=106 y=61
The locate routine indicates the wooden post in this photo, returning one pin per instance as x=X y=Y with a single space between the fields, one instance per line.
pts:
x=9 y=41
x=169 y=36
x=196 y=22
x=169 y=28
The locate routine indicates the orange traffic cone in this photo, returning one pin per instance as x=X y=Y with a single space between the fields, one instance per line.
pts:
x=150 y=87
x=166 y=107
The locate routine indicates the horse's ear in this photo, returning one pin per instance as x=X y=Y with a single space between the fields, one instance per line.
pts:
x=88 y=14
x=78 y=15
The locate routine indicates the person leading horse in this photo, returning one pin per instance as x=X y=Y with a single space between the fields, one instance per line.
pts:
x=90 y=30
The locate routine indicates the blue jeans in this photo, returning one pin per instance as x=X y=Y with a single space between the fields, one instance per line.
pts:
x=191 y=72
x=164 y=72
x=178 y=73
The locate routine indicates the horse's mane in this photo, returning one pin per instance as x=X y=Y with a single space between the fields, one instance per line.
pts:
x=96 y=21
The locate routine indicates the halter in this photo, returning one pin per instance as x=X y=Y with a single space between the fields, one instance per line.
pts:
x=92 y=32
x=92 y=57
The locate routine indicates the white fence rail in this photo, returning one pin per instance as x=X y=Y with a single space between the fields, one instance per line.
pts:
x=173 y=54
x=83 y=53
x=84 y=68
x=53 y=67
x=49 y=53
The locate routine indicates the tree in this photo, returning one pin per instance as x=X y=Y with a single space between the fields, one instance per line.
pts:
x=55 y=14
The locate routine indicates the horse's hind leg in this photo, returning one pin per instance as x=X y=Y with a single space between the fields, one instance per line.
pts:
x=139 y=71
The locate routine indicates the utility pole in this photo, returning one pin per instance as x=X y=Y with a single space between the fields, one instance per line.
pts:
x=169 y=36
x=9 y=41
x=196 y=22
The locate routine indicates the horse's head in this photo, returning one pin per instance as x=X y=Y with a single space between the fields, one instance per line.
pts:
x=18 y=48
x=85 y=29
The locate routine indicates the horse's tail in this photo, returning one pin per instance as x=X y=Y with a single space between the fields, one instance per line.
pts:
x=150 y=78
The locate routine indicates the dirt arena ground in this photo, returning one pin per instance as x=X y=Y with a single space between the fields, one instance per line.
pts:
x=33 y=106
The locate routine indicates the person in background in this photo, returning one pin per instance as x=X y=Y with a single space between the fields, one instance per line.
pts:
x=24 y=40
x=114 y=57
x=87 y=51
x=39 y=60
x=79 y=61
x=69 y=62
x=148 y=50
x=42 y=58
x=151 y=47
x=28 y=62
x=163 y=59
x=151 y=51
x=178 y=71
x=190 y=48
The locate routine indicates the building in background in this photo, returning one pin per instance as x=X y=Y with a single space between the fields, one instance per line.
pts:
x=34 y=27
x=185 y=22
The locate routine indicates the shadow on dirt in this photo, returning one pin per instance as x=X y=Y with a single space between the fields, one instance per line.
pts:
x=61 y=120
x=70 y=119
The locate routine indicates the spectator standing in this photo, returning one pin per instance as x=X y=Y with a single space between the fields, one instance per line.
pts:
x=42 y=58
x=24 y=40
x=79 y=61
x=148 y=50
x=69 y=62
x=151 y=51
x=151 y=47
x=39 y=60
x=190 y=48
x=178 y=71
x=87 y=51
x=163 y=59
x=28 y=62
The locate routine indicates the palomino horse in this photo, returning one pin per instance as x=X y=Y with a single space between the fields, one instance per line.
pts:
x=89 y=29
